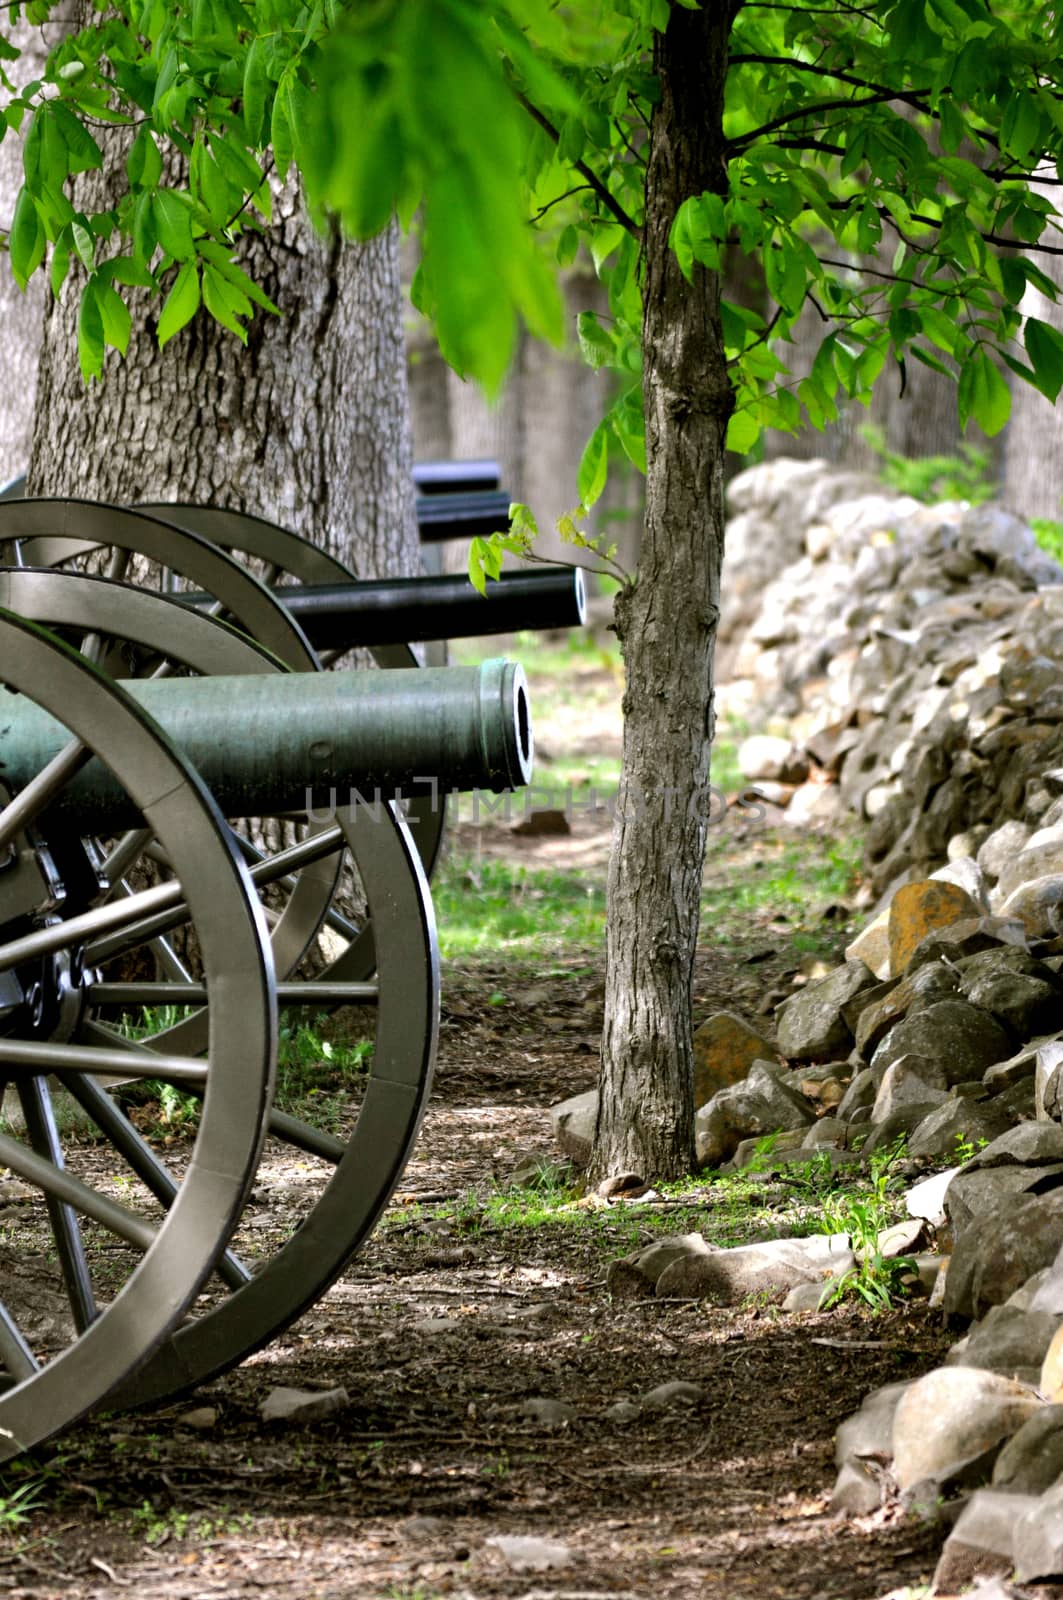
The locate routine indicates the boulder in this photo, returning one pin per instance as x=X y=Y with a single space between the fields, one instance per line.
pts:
x=1021 y=992
x=932 y=981
x=1037 y=1544
x=912 y=1079
x=955 y=1123
x=916 y=909
x=965 y=1040
x=966 y=938
x=990 y=1261
x=1041 y=856
x=725 y=1048
x=727 y=1276
x=926 y=1199
x=860 y=1093
x=982 y=1544
x=811 y=1026
x=978 y=1192
x=1007 y=1340
x=1048 y=1080
x=872 y=946
x=765 y=756
x=761 y=1104
x=1038 y=905
x=1001 y=845
x=1032 y=1459
x=951 y=1424
x=573 y=1123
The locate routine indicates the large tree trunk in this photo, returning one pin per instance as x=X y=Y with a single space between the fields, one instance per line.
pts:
x=667 y=626
x=307 y=425
x=21 y=313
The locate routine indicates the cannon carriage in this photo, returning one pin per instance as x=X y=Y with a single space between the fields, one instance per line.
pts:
x=84 y=943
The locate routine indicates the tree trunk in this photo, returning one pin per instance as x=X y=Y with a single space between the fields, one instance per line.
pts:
x=1033 y=460
x=307 y=425
x=21 y=313
x=667 y=627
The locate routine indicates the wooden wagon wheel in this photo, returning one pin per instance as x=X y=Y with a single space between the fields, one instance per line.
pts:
x=357 y=1175
x=49 y=922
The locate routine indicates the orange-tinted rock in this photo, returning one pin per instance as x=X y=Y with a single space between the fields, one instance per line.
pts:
x=725 y=1048
x=917 y=909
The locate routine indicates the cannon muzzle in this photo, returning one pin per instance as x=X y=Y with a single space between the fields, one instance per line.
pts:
x=272 y=745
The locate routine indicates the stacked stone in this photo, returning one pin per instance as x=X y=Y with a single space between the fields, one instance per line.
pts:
x=915 y=655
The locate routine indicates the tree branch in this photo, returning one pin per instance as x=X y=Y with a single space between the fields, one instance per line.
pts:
x=609 y=200
x=819 y=108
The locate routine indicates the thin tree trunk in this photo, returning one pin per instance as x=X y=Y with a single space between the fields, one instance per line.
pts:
x=667 y=626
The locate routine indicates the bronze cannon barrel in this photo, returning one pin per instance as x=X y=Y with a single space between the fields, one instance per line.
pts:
x=273 y=745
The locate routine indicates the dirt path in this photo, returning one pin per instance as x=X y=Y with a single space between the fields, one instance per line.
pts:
x=443 y=1331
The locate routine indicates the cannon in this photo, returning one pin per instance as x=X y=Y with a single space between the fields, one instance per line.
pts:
x=82 y=760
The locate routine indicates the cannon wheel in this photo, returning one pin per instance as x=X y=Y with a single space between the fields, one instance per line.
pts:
x=46 y=533
x=289 y=555
x=405 y=996
x=45 y=1391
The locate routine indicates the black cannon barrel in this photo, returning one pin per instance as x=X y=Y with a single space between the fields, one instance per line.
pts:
x=450 y=477
x=337 y=616
x=473 y=514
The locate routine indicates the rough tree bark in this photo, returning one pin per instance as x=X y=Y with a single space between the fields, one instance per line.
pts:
x=667 y=627
x=308 y=424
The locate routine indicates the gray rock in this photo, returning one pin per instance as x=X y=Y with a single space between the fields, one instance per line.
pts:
x=982 y=1542
x=981 y=1191
x=622 y=1413
x=764 y=1102
x=750 y=1150
x=858 y=1490
x=573 y=1124
x=806 y=1296
x=1013 y=986
x=656 y=1257
x=860 y=1094
x=902 y=1121
x=525 y=1552
x=935 y=980
x=913 y=1080
x=965 y=1040
x=1047 y=1292
x=1038 y=1538
x=1008 y=1246
x=955 y=1123
x=1032 y=1459
x=1031 y=1144
x=966 y=874
x=826 y=1131
x=926 y=1199
x=1038 y=905
x=676 y=1393
x=1041 y=856
x=868 y=1433
x=1048 y=1080
x=951 y=1424
x=302 y=1405
x=772 y=1267
x=1001 y=845
x=1018 y=1068
x=810 y=1026
x=1006 y=1340
x=548 y=1413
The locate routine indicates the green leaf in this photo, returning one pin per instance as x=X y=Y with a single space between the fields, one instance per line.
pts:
x=173 y=223
x=743 y=431
x=224 y=302
x=1044 y=346
x=114 y=315
x=281 y=135
x=143 y=163
x=256 y=91
x=182 y=303
x=983 y=393
x=145 y=235
x=84 y=244
x=84 y=154
x=567 y=246
x=596 y=345
x=26 y=242
x=90 y=334
x=593 y=466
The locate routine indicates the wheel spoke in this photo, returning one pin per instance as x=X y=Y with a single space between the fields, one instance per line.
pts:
x=42 y=790
x=304 y=1137
x=139 y=1155
x=124 y=854
x=195 y=994
x=36 y=1101
x=35 y=1056
x=15 y=1353
x=119 y=914
x=88 y=1202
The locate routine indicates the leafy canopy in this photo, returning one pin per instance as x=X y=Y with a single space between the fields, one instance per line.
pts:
x=881 y=167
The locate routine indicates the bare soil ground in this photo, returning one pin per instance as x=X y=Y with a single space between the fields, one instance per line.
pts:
x=450 y=1322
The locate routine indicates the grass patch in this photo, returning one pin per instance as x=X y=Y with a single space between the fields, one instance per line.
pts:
x=499 y=908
